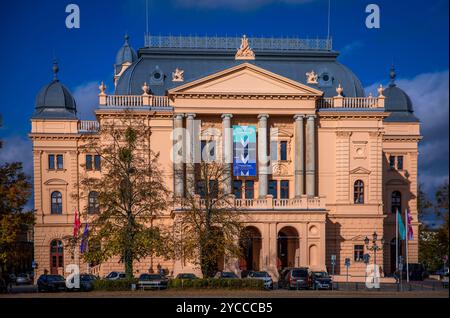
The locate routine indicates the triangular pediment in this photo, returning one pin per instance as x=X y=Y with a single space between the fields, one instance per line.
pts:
x=55 y=182
x=245 y=79
x=360 y=170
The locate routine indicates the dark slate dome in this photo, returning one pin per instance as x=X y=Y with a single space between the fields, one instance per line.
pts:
x=55 y=101
x=126 y=53
x=398 y=103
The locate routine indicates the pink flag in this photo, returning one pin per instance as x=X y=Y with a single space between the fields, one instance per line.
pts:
x=76 y=224
x=409 y=226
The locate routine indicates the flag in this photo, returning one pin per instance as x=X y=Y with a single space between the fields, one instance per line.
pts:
x=401 y=227
x=76 y=224
x=83 y=239
x=409 y=226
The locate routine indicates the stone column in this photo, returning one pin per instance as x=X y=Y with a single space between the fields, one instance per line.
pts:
x=178 y=155
x=310 y=156
x=299 y=153
x=227 y=153
x=190 y=165
x=263 y=158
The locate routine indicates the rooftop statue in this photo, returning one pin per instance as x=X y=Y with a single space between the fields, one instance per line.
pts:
x=245 y=52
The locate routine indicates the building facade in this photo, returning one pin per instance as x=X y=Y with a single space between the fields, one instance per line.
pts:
x=340 y=163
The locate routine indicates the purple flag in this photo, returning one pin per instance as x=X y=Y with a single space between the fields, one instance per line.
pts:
x=83 y=239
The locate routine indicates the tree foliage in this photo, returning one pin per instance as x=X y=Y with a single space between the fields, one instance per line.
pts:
x=15 y=190
x=131 y=194
x=208 y=224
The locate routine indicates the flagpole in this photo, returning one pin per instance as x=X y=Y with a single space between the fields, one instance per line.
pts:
x=406 y=241
x=396 y=239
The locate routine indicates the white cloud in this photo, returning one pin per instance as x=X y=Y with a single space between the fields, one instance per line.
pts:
x=17 y=149
x=351 y=47
x=86 y=97
x=235 y=4
x=430 y=96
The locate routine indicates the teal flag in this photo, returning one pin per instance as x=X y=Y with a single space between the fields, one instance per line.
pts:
x=401 y=227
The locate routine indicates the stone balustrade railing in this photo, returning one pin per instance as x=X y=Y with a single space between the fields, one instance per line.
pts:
x=350 y=102
x=88 y=126
x=301 y=203
x=134 y=101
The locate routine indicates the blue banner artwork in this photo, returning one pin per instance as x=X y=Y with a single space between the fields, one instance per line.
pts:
x=244 y=145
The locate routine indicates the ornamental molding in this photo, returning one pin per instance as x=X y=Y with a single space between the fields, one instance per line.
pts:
x=360 y=170
x=402 y=138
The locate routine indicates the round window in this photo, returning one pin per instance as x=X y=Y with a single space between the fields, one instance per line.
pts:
x=157 y=75
x=326 y=77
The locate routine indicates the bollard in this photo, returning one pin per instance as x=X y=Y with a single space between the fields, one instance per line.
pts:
x=356 y=286
x=433 y=287
x=410 y=287
x=398 y=287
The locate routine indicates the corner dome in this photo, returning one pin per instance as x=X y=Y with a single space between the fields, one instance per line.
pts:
x=398 y=103
x=55 y=101
x=126 y=53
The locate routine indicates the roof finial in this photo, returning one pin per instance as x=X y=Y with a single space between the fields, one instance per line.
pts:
x=392 y=75
x=55 y=70
x=126 y=38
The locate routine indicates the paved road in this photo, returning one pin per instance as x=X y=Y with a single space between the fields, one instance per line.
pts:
x=29 y=292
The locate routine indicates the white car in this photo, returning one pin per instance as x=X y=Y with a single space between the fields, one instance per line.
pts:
x=445 y=280
x=264 y=276
x=116 y=276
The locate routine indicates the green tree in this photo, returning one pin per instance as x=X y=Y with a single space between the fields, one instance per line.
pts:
x=15 y=190
x=208 y=225
x=131 y=194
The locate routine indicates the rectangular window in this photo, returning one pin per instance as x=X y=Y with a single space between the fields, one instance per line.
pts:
x=201 y=188
x=273 y=188
x=359 y=253
x=88 y=162
x=283 y=150
x=237 y=189
x=59 y=162
x=400 y=162
x=214 y=189
x=249 y=189
x=284 y=189
x=392 y=162
x=51 y=162
x=97 y=163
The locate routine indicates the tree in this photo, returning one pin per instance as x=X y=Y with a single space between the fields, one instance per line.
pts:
x=15 y=190
x=131 y=194
x=208 y=225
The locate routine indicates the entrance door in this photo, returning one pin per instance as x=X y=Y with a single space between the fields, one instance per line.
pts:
x=56 y=256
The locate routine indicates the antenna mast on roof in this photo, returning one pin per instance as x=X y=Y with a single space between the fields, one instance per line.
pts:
x=147 y=35
x=329 y=19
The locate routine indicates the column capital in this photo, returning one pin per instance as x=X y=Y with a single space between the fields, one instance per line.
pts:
x=311 y=117
x=227 y=116
x=178 y=116
x=298 y=117
x=190 y=116
x=263 y=116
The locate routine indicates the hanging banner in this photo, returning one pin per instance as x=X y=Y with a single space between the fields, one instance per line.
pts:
x=244 y=145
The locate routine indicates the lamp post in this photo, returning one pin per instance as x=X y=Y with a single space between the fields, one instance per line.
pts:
x=374 y=247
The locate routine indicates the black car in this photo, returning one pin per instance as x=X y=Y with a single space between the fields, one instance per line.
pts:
x=294 y=278
x=417 y=272
x=51 y=283
x=186 y=276
x=86 y=282
x=320 y=280
x=226 y=275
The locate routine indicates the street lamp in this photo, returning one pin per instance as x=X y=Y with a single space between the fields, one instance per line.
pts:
x=374 y=247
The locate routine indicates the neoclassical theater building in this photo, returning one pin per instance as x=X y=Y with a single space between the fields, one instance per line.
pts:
x=342 y=162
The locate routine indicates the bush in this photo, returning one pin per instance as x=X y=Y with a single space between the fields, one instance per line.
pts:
x=114 y=285
x=215 y=283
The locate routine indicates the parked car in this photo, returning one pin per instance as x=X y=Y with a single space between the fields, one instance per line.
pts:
x=86 y=282
x=116 y=276
x=23 y=279
x=12 y=278
x=261 y=275
x=416 y=272
x=294 y=278
x=152 y=281
x=445 y=280
x=441 y=272
x=186 y=276
x=226 y=275
x=320 y=280
x=51 y=283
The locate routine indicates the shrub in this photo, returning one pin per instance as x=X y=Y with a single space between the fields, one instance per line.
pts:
x=215 y=283
x=114 y=285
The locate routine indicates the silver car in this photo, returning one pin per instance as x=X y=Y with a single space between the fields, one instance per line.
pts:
x=23 y=279
x=264 y=276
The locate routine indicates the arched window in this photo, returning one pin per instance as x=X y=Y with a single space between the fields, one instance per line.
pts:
x=56 y=256
x=56 y=203
x=396 y=202
x=358 y=188
x=93 y=205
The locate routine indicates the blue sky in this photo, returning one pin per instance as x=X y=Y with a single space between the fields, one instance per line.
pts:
x=413 y=35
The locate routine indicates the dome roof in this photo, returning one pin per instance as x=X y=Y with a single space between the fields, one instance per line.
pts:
x=126 y=53
x=398 y=103
x=201 y=63
x=55 y=100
